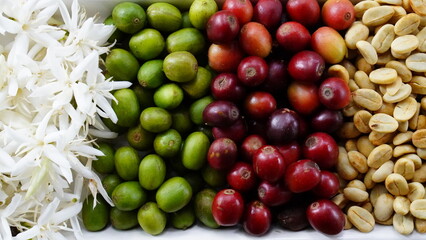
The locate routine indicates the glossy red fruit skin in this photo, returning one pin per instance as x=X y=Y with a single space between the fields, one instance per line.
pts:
x=325 y=216
x=252 y=71
x=278 y=77
x=302 y=175
x=273 y=194
x=228 y=207
x=236 y=131
x=221 y=113
x=225 y=57
x=255 y=39
x=268 y=163
x=226 y=86
x=328 y=185
x=306 y=12
x=327 y=120
x=243 y=9
x=291 y=152
x=222 y=27
x=259 y=105
x=268 y=13
x=293 y=36
x=250 y=145
x=306 y=66
x=257 y=218
x=303 y=97
x=283 y=126
x=338 y=14
x=334 y=93
x=321 y=148
x=242 y=177
x=222 y=154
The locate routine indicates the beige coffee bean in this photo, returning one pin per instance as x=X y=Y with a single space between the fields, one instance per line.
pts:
x=419 y=6
x=348 y=131
x=383 y=123
x=383 y=76
x=418 y=208
x=388 y=222
x=384 y=207
x=420 y=225
x=402 y=138
x=416 y=62
x=363 y=6
x=407 y=24
x=403 y=149
x=403 y=126
x=396 y=184
x=386 y=108
x=390 y=2
x=379 y=155
x=403 y=224
x=384 y=58
x=401 y=70
x=418 y=84
x=401 y=205
x=339 y=71
x=399 y=13
x=376 y=191
x=405 y=109
x=340 y=200
x=351 y=109
x=367 y=206
x=368 y=179
x=356 y=184
x=402 y=94
x=421 y=122
x=412 y=123
x=362 y=219
x=406 y=5
x=405 y=167
x=378 y=138
x=421 y=36
x=363 y=81
x=383 y=171
x=364 y=145
x=350 y=67
x=344 y=167
x=352 y=85
x=423 y=103
x=350 y=145
x=400 y=56
x=416 y=160
x=362 y=65
x=355 y=33
x=367 y=51
x=367 y=98
x=416 y=191
x=348 y=224
x=361 y=120
x=383 y=39
x=420 y=174
x=376 y=16
x=419 y=138
x=405 y=44
x=383 y=88
x=394 y=87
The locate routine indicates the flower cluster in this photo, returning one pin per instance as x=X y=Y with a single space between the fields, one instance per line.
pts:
x=53 y=97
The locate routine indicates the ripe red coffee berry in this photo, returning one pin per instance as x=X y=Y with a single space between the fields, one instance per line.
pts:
x=293 y=36
x=338 y=14
x=222 y=27
x=242 y=177
x=252 y=71
x=321 y=148
x=222 y=154
x=334 y=93
x=257 y=218
x=325 y=216
x=268 y=163
x=302 y=176
x=228 y=207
